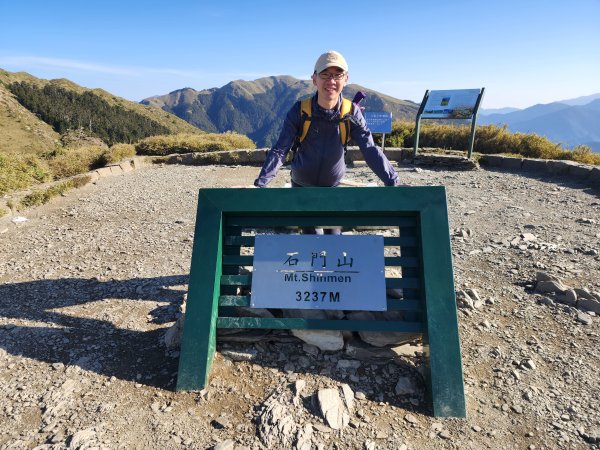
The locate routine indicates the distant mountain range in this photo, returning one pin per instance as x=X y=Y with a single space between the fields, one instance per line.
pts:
x=257 y=108
x=568 y=122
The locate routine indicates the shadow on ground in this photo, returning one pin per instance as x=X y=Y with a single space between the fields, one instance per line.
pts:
x=96 y=344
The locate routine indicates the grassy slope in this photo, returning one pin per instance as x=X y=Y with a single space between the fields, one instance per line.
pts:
x=22 y=132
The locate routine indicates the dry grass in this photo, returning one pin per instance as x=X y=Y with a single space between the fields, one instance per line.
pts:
x=489 y=139
x=118 y=152
x=3 y=212
x=40 y=197
x=192 y=143
x=21 y=171
x=67 y=162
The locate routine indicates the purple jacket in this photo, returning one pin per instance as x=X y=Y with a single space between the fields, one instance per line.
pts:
x=319 y=161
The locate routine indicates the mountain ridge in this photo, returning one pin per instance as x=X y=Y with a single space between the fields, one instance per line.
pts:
x=569 y=125
x=257 y=108
x=22 y=131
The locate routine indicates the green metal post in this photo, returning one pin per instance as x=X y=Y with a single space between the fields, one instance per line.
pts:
x=473 y=122
x=418 y=124
x=198 y=341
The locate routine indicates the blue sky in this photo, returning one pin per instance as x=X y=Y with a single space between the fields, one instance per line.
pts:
x=523 y=52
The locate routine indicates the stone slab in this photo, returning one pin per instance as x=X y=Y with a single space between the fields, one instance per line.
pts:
x=580 y=171
x=104 y=172
x=535 y=165
x=116 y=170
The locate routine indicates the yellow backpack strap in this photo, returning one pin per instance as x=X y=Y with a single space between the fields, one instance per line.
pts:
x=345 y=110
x=305 y=115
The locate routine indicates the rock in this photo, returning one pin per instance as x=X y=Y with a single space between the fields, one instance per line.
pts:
x=277 y=424
x=544 y=287
x=463 y=300
x=408 y=349
x=348 y=364
x=304 y=437
x=444 y=434
x=299 y=386
x=225 y=445
x=543 y=276
x=172 y=336
x=312 y=350
x=584 y=318
x=325 y=340
x=83 y=438
x=528 y=237
x=348 y=394
x=589 y=305
x=568 y=297
x=221 y=422
x=332 y=408
x=370 y=445
x=247 y=355
x=411 y=419
x=384 y=339
x=405 y=386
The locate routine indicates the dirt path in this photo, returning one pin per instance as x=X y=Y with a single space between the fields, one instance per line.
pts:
x=91 y=282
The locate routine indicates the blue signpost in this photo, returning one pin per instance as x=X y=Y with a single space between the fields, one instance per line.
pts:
x=379 y=122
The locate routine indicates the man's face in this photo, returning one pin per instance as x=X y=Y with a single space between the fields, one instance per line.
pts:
x=328 y=87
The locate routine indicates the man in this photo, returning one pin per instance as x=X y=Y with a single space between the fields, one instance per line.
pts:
x=319 y=158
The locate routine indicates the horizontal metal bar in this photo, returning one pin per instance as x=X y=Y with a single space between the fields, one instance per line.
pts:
x=238 y=260
x=234 y=300
x=393 y=304
x=318 y=220
x=236 y=280
x=318 y=324
x=248 y=241
x=395 y=283
x=401 y=261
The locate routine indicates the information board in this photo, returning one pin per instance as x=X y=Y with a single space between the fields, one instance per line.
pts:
x=379 y=122
x=319 y=272
x=452 y=104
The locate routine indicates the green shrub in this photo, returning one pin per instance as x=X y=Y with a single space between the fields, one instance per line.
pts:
x=20 y=171
x=192 y=143
x=118 y=152
x=67 y=162
x=489 y=139
x=41 y=197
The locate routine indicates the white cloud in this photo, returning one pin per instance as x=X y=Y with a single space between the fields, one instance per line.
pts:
x=23 y=62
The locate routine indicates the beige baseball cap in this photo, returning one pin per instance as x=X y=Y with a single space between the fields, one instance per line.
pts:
x=330 y=59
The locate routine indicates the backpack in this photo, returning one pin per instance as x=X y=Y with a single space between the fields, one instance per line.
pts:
x=306 y=114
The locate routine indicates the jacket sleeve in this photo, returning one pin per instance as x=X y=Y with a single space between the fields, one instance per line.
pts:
x=276 y=156
x=373 y=155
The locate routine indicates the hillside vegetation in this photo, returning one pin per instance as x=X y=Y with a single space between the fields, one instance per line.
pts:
x=194 y=143
x=489 y=139
x=65 y=109
x=51 y=130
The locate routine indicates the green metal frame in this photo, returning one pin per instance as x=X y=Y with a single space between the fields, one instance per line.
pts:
x=473 y=123
x=426 y=269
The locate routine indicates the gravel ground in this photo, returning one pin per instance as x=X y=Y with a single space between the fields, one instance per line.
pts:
x=90 y=284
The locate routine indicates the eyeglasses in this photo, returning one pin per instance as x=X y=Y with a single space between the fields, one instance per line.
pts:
x=329 y=76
